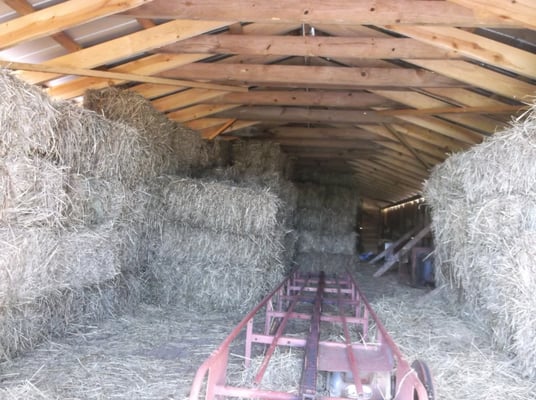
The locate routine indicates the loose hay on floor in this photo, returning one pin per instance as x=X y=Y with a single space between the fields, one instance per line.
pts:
x=458 y=350
x=152 y=354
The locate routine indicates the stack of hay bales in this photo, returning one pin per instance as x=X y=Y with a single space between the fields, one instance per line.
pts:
x=220 y=247
x=68 y=196
x=483 y=205
x=263 y=164
x=326 y=220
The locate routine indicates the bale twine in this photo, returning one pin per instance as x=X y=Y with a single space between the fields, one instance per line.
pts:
x=483 y=205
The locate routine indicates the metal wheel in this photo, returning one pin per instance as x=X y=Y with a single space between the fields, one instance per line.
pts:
x=423 y=372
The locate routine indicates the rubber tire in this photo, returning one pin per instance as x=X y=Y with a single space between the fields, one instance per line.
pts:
x=425 y=376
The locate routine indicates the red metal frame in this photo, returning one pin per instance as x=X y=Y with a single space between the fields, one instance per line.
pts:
x=372 y=355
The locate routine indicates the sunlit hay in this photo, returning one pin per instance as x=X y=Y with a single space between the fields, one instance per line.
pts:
x=28 y=118
x=150 y=354
x=484 y=221
x=24 y=325
x=38 y=261
x=458 y=350
x=95 y=146
x=32 y=193
x=179 y=148
x=316 y=261
x=337 y=243
x=219 y=206
x=255 y=157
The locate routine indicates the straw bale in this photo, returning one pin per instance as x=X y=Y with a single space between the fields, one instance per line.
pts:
x=258 y=157
x=32 y=193
x=28 y=118
x=178 y=147
x=219 y=206
x=337 y=243
x=329 y=221
x=38 y=261
x=201 y=286
x=97 y=147
x=307 y=174
x=330 y=263
x=24 y=325
x=182 y=243
x=484 y=221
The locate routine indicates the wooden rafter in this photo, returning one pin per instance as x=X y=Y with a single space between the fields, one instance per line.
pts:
x=114 y=75
x=518 y=11
x=473 y=46
x=126 y=46
x=56 y=18
x=308 y=76
x=311 y=46
x=371 y=12
x=23 y=7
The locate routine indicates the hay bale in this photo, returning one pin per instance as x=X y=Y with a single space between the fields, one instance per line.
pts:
x=214 y=271
x=257 y=157
x=94 y=146
x=39 y=261
x=24 y=325
x=484 y=221
x=28 y=118
x=182 y=243
x=316 y=241
x=330 y=263
x=178 y=147
x=328 y=221
x=32 y=193
x=221 y=207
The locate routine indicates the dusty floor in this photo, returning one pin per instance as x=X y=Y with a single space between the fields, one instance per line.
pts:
x=155 y=353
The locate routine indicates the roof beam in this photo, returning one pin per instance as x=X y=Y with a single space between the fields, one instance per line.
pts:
x=199 y=111
x=406 y=144
x=521 y=11
x=126 y=46
x=367 y=12
x=23 y=7
x=322 y=133
x=475 y=75
x=423 y=101
x=472 y=46
x=306 y=115
x=502 y=109
x=311 y=46
x=113 y=75
x=149 y=65
x=309 y=76
x=312 y=98
x=56 y=18
x=327 y=144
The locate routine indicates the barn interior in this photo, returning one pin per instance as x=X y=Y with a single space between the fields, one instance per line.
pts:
x=165 y=164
